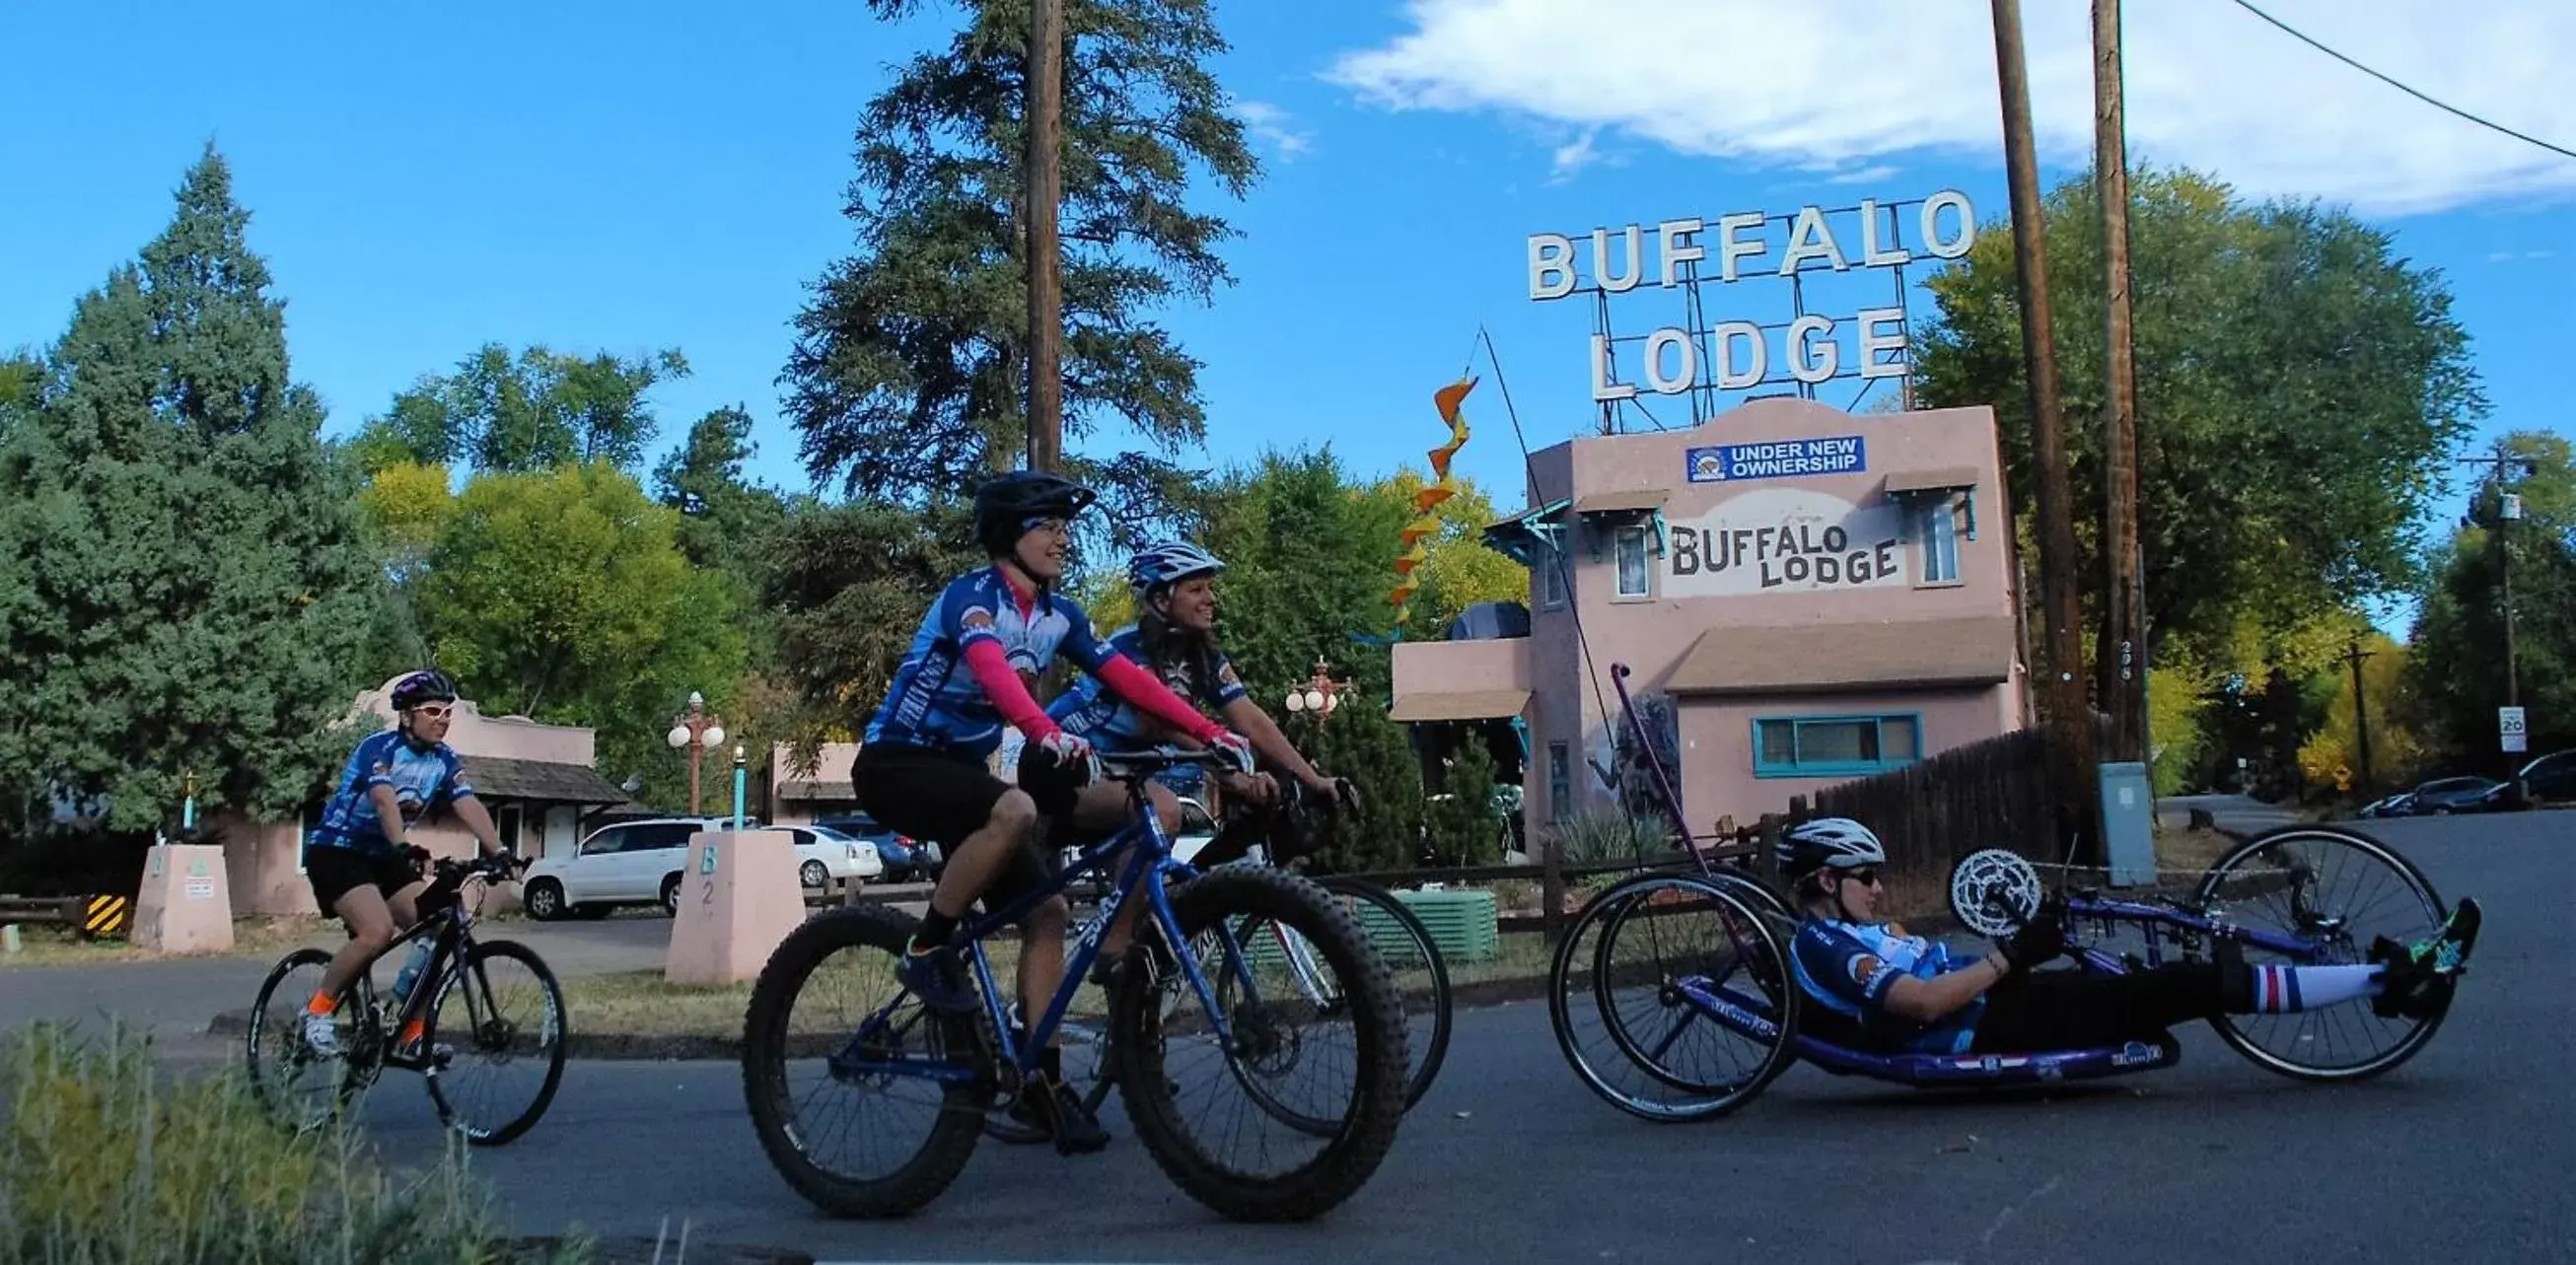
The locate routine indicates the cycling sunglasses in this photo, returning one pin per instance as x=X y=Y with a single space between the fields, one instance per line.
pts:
x=1867 y=877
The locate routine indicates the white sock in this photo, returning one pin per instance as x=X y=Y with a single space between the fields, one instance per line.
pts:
x=2281 y=989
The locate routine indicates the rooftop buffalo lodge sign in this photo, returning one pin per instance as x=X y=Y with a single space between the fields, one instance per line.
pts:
x=1735 y=355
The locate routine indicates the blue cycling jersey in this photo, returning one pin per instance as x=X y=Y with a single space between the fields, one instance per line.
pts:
x=1847 y=968
x=936 y=703
x=1094 y=713
x=422 y=778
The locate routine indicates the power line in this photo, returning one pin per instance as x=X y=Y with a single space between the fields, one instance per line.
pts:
x=2303 y=38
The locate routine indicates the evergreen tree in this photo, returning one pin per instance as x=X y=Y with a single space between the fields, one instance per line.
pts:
x=184 y=580
x=1462 y=827
x=908 y=371
x=1358 y=742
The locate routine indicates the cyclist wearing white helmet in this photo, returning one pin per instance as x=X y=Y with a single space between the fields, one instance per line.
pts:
x=1873 y=987
x=1174 y=637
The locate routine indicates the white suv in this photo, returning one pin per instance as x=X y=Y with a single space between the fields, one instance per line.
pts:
x=640 y=862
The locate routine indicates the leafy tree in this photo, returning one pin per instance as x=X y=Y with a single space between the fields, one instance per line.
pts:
x=535 y=411
x=909 y=363
x=725 y=518
x=184 y=583
x=2457 y=659
x=2396 y=750
x=2300 y=388
x=1307 y=570
x=563 y=595
x=849 y=584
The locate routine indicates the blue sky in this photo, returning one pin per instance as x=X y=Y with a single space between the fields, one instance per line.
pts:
x=629 y=177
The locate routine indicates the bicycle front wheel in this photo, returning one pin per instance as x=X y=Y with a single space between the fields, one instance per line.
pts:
x=495 y=1038
x=1188 y=1077
x=1421 y=976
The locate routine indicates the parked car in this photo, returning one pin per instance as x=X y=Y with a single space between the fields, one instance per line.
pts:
x=622 y=863
x=2448 y=795
x=907 y=860
x=2397 y=805
x=2551 y=777
x=824 y=854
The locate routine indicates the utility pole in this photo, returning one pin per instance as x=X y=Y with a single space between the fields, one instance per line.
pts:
x=1044 y=183
x=2500 y=464
x=2120 y=656
x=2065 y=689
x=2353 y=654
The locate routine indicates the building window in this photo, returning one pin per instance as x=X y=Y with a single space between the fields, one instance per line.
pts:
x=1834 y=746
x=1551 y=577
x=1936 y=525
x=1560 y=781
x=1630 y=548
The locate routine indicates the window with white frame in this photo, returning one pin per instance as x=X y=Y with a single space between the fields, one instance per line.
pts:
x=1551 y=576
x=1936 y=529
x=1636 y=578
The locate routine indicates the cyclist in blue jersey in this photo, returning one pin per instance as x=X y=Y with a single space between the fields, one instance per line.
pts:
x=359 y=860
x=1175 y=638
x=922 y=770
x=1873 y=987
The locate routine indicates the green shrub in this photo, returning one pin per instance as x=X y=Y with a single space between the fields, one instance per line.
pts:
x=108 y=1159
x=1602 y=838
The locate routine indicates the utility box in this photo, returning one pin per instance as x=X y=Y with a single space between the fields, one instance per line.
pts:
x=2129 y=823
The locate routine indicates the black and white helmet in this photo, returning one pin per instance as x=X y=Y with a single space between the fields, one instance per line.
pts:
x=1836 y=842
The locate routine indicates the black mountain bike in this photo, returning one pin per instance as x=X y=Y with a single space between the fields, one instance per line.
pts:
x=482 y=1015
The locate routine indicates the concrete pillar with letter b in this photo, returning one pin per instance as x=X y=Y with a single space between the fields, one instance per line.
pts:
x=739 y=897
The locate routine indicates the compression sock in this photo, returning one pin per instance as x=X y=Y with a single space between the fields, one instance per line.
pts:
x=323 y=1004
x=2282 y=989
x=934 y=931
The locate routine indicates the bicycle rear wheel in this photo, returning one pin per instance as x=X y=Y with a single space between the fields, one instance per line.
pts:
x=828 y=1024
x=1170 y=1067
x=502 y=1008
x=302 y=1089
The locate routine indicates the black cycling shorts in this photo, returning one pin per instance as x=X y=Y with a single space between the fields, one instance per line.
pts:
x=335 y=872
x=944 y=797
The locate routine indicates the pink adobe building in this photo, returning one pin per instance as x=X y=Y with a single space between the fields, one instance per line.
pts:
x=537 y=781
x=1809 y=595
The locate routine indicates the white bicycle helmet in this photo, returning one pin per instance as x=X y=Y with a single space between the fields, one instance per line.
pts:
x=1836 y=842
x=1168 y=562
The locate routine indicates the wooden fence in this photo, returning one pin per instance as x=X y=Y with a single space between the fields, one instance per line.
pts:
x=1999 y=793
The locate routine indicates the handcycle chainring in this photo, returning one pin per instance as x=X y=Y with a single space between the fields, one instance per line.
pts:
x=1994 y=891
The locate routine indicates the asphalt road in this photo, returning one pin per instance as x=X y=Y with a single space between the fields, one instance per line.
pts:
x=2461 y=1155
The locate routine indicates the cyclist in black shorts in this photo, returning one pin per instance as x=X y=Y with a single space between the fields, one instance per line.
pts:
x=359 y=859
x=922 y=770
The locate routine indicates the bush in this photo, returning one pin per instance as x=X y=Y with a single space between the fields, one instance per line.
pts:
x=1361 y=744
x=1604 y=838
x=1462 y=827
x=106 y=1158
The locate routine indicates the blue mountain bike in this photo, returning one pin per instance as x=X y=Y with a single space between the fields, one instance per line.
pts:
x=869 y=1102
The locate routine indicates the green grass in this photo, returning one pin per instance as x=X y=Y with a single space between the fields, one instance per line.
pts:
x=106 y=1159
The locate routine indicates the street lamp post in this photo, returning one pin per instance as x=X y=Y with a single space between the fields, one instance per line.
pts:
x=1320 y=694
x=696 y=731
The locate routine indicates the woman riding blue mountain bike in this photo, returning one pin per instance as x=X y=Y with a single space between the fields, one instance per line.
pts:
x=922 y=770
x=1174 y=637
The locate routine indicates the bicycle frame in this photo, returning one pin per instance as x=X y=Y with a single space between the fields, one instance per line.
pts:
x=450 y=928
x=1147 y=876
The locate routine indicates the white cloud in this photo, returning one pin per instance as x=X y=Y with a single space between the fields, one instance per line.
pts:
x=1573 y=156
x=1838 y=85
x=2519 y=256
x=1865 y=175
x=1270 y=125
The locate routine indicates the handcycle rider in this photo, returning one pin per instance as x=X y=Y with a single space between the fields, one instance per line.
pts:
x=1175 y=638
x=1882 y=991
x=922 y=772
x=359 y=861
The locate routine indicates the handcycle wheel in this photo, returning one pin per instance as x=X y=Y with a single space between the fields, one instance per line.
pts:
x=1421 y=975
x=826 y=1007
x=303 y=1090
x=503 y=1008
x=1166 y=1063
x=2336 y=889
x=1651 y=961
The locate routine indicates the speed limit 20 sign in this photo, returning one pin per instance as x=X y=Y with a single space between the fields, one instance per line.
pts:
x=2509 y=726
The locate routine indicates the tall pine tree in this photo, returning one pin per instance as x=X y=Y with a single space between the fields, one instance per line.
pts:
x=184 y=583
x=907 y=376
